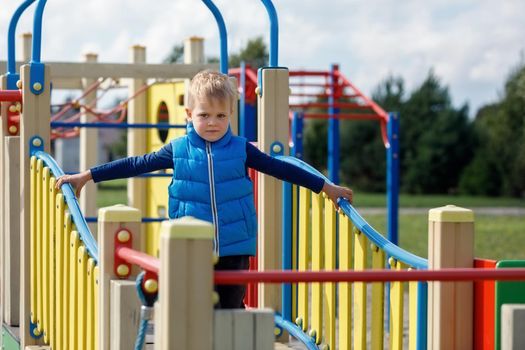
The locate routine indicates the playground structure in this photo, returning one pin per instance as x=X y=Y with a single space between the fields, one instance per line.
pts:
x=75 y=292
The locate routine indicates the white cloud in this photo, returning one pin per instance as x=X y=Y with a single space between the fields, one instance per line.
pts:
x=471 y=44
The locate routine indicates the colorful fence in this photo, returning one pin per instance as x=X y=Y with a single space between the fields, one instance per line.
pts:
x=63 y=263
x=322 y=239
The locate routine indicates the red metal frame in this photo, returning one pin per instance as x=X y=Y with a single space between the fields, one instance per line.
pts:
x=484 y=308
x=463 y=274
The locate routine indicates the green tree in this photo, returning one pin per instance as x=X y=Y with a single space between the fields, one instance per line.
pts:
x=435 y=139
x=499 y=164
x=176 y=54
x=255 y=54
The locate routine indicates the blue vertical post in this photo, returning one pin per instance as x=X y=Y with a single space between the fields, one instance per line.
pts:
x=274 y=32
x=242 y=102
x=333 y=128
x=392 y=184
x=422 y=315
x=222 y=35
x=297 y=135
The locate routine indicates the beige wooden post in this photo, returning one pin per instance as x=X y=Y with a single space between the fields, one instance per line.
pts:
x=26 y=47
x=112 y=220
x=194 y=50
x=89 y=148
x=3 y=204
x=137 y=110
x=34 y=121
x=124 y=315
x=450 y=304
x=186 y=285
x=272 y=122
x=11 y=229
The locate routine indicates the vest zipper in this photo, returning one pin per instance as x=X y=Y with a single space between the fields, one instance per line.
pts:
x=213 y=202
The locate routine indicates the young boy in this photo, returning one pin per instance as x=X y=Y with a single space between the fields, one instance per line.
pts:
x=210 y=180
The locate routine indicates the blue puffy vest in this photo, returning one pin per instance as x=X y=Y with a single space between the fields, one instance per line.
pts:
x=210 y=183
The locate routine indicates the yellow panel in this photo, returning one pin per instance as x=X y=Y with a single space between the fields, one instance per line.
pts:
x=412 y=315
x=317 y=264
x=45 y=253
x=90 y=307
x=305 y=201
x=378 y=297
x=156 y=188
x=329 y=264
x=59 y=281
x=360 y=291
x=82 y=297
x=396 y=310
x=39 y=229
x=32 y=240
x=96 y=299
x=295 y=213
x=73 y=292
x=66 y=281
x=52 y=267
x=345 y=289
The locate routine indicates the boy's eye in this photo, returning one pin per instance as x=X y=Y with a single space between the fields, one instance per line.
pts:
x=221 y=116
x=203 y=115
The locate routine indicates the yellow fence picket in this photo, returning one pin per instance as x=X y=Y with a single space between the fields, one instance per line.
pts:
x=378 y=296
x=317 y=265
x=345 y=289
x=81 y=264
x=396 y=309
x=305 y=201
x=91 y=306
x=330 y=227
x=73 y=292
x=360 y=254
x=59 y=281
x=33 y=234
x=44 y=292
x=66 y=280
x=52 y=267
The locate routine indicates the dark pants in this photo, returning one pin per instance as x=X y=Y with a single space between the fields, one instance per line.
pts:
x=231 y=296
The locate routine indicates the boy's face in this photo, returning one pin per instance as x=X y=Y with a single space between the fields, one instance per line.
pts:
x=210 y=118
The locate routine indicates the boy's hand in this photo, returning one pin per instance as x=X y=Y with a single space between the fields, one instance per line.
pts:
x=77 y=181
x=334 y=192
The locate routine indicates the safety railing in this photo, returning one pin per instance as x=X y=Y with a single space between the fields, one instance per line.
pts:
x=316 y=238
x=63 y=263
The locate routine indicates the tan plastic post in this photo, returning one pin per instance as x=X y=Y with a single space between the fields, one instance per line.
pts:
x=110 y=221
x=34 y=121
x=89 y=148
x=124 y=315
x=11 y=229
x=450 y=304
x=26 y=47
x=272 y=123
x=186 y=284
x=137 y=110
x=194 y=50
x=3 y=205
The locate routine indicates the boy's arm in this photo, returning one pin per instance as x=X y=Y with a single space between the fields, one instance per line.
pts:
x=264 y=163
x=133 y=166
x=121 y=168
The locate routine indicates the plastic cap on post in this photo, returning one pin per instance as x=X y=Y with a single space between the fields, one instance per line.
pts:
x=187 y=227
x=119 y=213
x=450 y=213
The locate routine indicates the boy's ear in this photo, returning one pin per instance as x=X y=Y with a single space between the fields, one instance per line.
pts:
x=188 y=114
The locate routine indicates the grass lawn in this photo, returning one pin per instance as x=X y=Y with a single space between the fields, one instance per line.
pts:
x=111 y=193
x=496 y=237
x=378 y=200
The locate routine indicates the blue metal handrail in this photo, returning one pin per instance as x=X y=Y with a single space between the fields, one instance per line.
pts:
x=274 y=32
x=72 y=203
x=363 y=226
x=296 y=332
x=37 y=32
x=12 y=76
x=223 y=35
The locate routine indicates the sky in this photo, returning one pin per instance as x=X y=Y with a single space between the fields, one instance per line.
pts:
x=471 y=45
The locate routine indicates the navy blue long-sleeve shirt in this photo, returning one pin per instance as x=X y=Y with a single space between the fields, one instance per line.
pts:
x=163 y=159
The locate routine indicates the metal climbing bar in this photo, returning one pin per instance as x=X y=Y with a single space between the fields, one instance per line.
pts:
x=274 y=32
x=222 y=33
x=12 y=75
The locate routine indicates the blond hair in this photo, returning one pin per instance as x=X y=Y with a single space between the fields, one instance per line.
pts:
x=208 y=85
